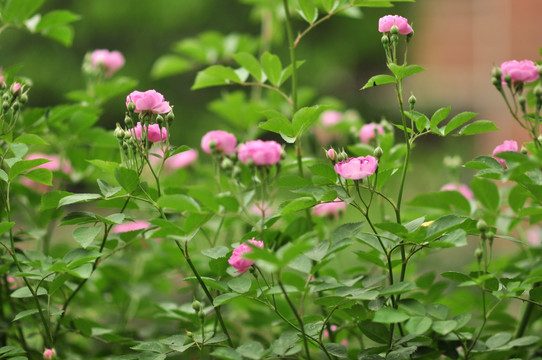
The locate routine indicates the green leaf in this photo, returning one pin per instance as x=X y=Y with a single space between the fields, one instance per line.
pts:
x=114 y=87
x=179 y=202
x=478 y=127
x=107 y=166
x=24 y=292
x=398 y=288
x=297 y=204
x=437 y=311
x=456 y=276
x=24 y=314
x=418 y=325
x=240 y=284
x=536 y=294
x=30 y=139
x=106 y=189
x=86 y=235
x=3 y=175
x=458 y=120
x=437 y=118
x=402 y=71
x=305 y=117
x=77 y=198
x=371 y=3
x=277 y=123
x=272 y=67
x=330 y=5
x=5 y=226
x=389 y=315
x=224 y=298
x=216 y=252
x=252 y=350
x=40 y=175
x=378 y=80
x=486 y=192
x=56 y=18
x=63 y=34
x=17 y=11
x=214 y=76
x=379 y=333
x=308 y=10
x=249 y=62
x=524 y=341
x=50 y=199
x=168 y=65
x=444 y=200
x=127 y=178
x=444 y=327
x=498 y=340
x=337 y=350
x=24 y=165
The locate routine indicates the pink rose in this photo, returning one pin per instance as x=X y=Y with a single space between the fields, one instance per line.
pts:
x=55 y=164
x=508 y=145
x=331 y=154
x=150 y=100
x=49 y=354
x=260 y=209
x=15 y=87
x=386 y=23
x=329 y=208
x=223 y=141
x=176 y=161
x=533 y=236
x=110 y=60
x=12 y=283
x=131 y=226
x=369 y=131
x=461 y=188
x=154 y=132
x=260 y=152
x=331 y=117
x=237 y=261
x=357 y=168
x=524 y=71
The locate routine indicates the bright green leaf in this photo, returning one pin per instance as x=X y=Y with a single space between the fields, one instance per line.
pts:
x=478 y=127
x=378 y=80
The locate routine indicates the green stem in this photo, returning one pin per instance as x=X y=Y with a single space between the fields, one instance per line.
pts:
x=291 y=44
x=186 y=256
x=299 y=320
x=522 y=326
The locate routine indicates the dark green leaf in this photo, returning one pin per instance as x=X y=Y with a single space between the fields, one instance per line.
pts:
x=486 y=192
x=418 y=325
x=389 y=315
x=252 y=350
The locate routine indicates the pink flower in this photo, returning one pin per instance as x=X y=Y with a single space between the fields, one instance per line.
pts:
x=49 y=354
x=131 y=226
x=461 y=188
x=386 y=23
x=332 y=328
x=12 y=283
x=329 y=208
x=223 y=142
x=110 y=60
x=369 y=131
x=508 y=145
x=524 y=71
x=533 y=236
x=331 y=154
x=15 y=87
x=344 y=342
x=237 y=261
x=150 y=100
x=260 y=152
x=331 y=117
x=55 y=164
x=154 y=132
x=176 y=161
x=357 y=168
x=261 y=208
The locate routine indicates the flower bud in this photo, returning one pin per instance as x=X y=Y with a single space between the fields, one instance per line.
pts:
x=496 y=73
x=497 y=83
x=394 y=30
x=331 y=154
x=16 y=105
x=160 y=120
x=508 y=79
x=49 y=354
x=524 y=149
x=490 y=235
x=478 y=253
x=5 y=105
x=342 y=156
x=170 y=116
x=236 y=171
x=538 y=91
x=539 y=68
x=385 y=40
x=522 y=102
x=394 y=39
x=5 y=97
x=481 y=226
x=119 y=133
x=131 y=106
x=196 y=305
x=24 y=98
x=15 y=87
x=412 y=101
x=129 y=122
x=409 y=36
x=201 y=315
x=378 y=152
x=189 y=334
x=226 y=163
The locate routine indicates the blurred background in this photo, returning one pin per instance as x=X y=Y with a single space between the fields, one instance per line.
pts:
x=456 y=41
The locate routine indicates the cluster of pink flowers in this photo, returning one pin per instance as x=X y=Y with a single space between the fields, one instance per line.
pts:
x=148 y=101
x=386 y=23
x=238 y=261
x=508 y=145
x=332 y=209
x=357 y=168
x=369 y=132
x=461 y=188
x=111 y=61
x=524 y=71
x=259 y=152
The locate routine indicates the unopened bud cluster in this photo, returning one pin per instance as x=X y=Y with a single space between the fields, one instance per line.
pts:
x=13 y=98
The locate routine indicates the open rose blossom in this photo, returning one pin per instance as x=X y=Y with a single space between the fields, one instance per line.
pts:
x=508 y=145
x=524 y=71
x=329 y=208
x=369 y=131
x=176 y=161
x=150 y=100
x=461 y=188
x=331 y=117
x=110 y=60
x=154 y=132
x=223 y=142
x=260 y=152
x=49 y=354
x=386 y=23
x=357 y=168
x=131 y=226
x=237 y=261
